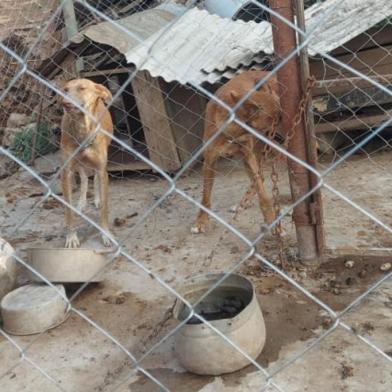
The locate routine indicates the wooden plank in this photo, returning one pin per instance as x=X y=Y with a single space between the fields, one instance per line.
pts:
x=157 y=130
x=370 y=39
x=129 y=166
x=372 y=62
x=352 y=124
x=355 y=99
x=185 y=108
x=105 y=72
x=342 y=86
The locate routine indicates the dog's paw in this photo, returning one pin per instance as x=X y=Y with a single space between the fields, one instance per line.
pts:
x=106 y=241
x=234 y=209
x=72 y=240
x=197 y=229
x=264 y=228
x=81 y=205
x=97 y=202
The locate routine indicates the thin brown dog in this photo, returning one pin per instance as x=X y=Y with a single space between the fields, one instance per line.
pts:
x=262 y=112
x=76 y=127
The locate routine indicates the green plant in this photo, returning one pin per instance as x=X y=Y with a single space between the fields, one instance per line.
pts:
x=22 y=145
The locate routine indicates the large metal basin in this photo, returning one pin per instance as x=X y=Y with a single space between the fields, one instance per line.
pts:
x=200 y=349
x=66 y=265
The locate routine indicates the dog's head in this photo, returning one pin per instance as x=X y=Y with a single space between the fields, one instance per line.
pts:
x=259 y=110
x=83 y=92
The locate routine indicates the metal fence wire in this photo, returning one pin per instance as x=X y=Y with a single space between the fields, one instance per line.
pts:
x=318 y=252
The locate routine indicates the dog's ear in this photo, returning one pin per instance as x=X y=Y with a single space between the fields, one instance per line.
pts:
x=103 y=93
x=234 y=95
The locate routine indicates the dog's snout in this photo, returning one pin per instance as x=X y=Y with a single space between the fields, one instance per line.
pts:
x=68 y=106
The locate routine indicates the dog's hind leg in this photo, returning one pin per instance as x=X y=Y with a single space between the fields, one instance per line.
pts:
x=210 y=158
x=83 y=188
x=253 y=169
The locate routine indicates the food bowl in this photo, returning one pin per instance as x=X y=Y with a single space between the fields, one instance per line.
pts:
x=67 y=265
x=33 y=309
x=233 y=309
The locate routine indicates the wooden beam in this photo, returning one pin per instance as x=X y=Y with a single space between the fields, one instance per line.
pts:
x=372 y=62
x=341 y=86
x=160 y=141
x=352 y=124
x=71 y=28
x=104 y=72
x=128 y=167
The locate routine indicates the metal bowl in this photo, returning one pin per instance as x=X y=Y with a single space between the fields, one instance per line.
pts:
x=232 y=309
x=66 y=265
x=33 y=308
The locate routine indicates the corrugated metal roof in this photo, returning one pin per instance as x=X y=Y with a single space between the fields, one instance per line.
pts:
x=142 y=25
x=197 y=46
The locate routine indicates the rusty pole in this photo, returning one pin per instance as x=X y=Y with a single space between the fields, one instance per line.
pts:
x=317 y=210
x=289 y=78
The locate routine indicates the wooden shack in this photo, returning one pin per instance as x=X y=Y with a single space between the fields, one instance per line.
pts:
x=342 y=100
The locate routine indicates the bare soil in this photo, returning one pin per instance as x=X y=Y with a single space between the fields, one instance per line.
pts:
x=130 y=303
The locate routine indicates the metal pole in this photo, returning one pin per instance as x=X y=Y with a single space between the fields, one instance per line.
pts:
x=317 y=204
x=289 y=78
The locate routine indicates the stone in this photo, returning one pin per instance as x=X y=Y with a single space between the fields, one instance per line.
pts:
x=349 y=264
x=18 y=120
x=385 y=267
x=10 y=133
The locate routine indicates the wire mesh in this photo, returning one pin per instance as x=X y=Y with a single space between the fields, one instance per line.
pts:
x=163 y=63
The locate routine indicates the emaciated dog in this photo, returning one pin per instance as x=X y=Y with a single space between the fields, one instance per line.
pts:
x=76 y=127
x=262 y=112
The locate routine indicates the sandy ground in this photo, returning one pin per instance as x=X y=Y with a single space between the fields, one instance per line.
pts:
x=129 y=304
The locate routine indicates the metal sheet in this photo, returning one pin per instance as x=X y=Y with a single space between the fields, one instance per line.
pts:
x=140 y=25
x=197 y=46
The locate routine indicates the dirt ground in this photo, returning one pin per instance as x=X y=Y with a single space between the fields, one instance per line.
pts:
x=129 y=303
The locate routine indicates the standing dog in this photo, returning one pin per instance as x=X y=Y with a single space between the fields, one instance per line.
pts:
x=76 y=127
x=262 y=112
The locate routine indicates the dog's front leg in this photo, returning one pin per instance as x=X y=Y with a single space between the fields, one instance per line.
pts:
x=103 y=187
x=71 y=240
x=83 y=188
x=254 y=171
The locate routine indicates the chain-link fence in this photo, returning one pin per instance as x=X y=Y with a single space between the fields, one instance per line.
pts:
x=238 y=142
